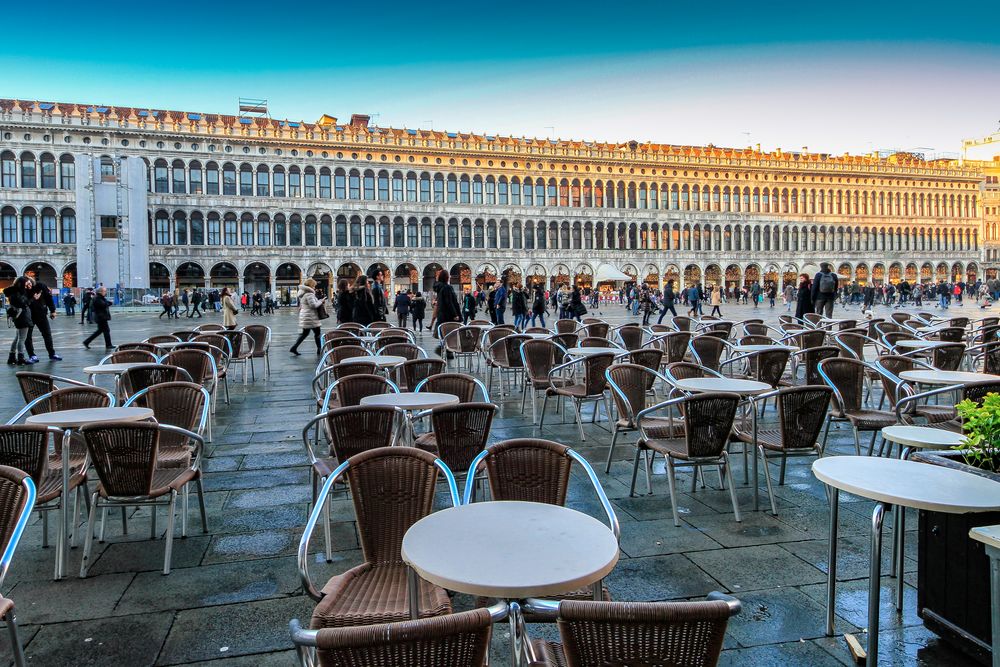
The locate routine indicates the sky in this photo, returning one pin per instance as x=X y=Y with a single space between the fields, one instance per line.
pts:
x=837 y=77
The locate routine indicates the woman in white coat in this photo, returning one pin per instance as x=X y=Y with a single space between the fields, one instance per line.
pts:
x=309 y=319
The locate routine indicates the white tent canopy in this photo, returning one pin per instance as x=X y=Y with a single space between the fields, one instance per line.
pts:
x=607 y=272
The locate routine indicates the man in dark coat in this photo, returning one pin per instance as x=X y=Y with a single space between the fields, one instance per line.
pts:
x=43 y=308
x=102 y=316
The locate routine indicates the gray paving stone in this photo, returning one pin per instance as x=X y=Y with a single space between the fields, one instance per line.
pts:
x=126 y=641
x=755 y=528
x=778 y=616
x=659 y=578
x=661 y=537
x=70 y=600
x=757 y=567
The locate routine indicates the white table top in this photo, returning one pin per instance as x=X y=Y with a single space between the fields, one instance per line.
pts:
x=510 y=550
x=922 y=436
x=919 y=344
x=411 y=400
x=388 y=360
x=988 y=535
x=172 y=344
x=587 y=351
x=537 y=335
x=114 y=368
x=366 y=339
x=763 y=348
x=909 y=483
x=945 y=377
x=77 y=418
x=735 y=385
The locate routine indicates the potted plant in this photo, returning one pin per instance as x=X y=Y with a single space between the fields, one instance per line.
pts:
x=953 y=580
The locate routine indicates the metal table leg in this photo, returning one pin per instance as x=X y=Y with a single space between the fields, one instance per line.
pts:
x=874 y=583
x=62 y=551
x=517 y=635
x=831 y=577
x=413 y=593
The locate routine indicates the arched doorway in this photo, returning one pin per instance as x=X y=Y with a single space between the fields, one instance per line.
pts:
x=692 y=275
x=287 y=278
x=221 y=275
x=861 y=274
x=895 y=273
x=256 y=278
x=513 y=274
x=790 y=276
x=461 y=277
x=910 y=274
x=584 y=277
x=8 y=274
x=486 y=275
x=733 y=275
x=674 y=274
x=972 y=272
x=159 y=278
x=535 y=276
x=631 y=272
x=878 y=274
x=322 y=274
x=560 y=276
x=190 y=275
x=348 y=270
x=651 y=276
x=844 y=272
x=713 y=275
x=751 y=275
x=771 y=274
x=406 y=278
x=69 y=277
x=926 y=272
x=42 y=272
x=956 y=272
x=942 y=271
x=430 y=275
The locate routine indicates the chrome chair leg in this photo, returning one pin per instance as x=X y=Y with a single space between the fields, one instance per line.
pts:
x=673 y=491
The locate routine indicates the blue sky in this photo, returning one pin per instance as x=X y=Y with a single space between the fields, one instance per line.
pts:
x=851 y=76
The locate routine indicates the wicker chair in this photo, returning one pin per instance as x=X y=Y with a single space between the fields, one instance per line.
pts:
x=26 y=448
x=541 y=330
x=385 y=340
x=68 y=398
x=34 y=384
x=148 y=347
x=221 y=351
x=447 y=328
x=948 y=357
x=674 y=345
x=209 y=327
x=537 y=471
x=595 y=330
x=987 y=333
x=130 y=357
x=157 y=340
x=630 y=336
x=344 y=352
x=950 y=334
x=801 y=416
x=261 y=336
x=414 y=371
x=391 y=488
x=565 y=326
x=889 y=366
x=812 y=318
x=563 y=384
x=723 y=328
x=348 y=431
x=459 y=433
x=126 y=456
x=683 y=323
x=596 y=634
x=463 y=343
x=17 y=497
x=459 y=384
x=408 y=351
x=630 y=386
x=504 y=355
x=380 y=325
x=756 y=329
x=456 y=640
x=973 y=391
x=959 y=322
x=200 y=365
x=809 y=358
x=685 y=370
x=184 y=335
x=847 y=377
x=181 y=404
x=566 y=340
x=137 y=378
x=335 y=342
x=708 y=422
x=350 y=389
x=884 y=328
x=243 y=351
x=891 y=338
x=988 y=353
x=539 y=356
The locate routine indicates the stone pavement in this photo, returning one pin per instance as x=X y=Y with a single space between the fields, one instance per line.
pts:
x=232 y=591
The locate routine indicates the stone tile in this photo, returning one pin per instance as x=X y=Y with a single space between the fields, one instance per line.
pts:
x=661 y=537
x=659 y=578
x=852 y=602
x=148 y=555
x=276 y=659
x=260 y=518
x=791 y=653
x=778 y=616
x=755 y=528
x=125 y=641
x=70 y=600
x=756 y=567
x=257 y=479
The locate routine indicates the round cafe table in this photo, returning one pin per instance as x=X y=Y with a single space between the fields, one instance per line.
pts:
x=919 y=344
x=511 y=551
x=590 y=351
x=68 y=421
x=388 y=360
x=921 y=437
x=763 y=348
x=112 y=369
x=408 y=402
x=734 y=385
x=945 y=378
x=891 y=482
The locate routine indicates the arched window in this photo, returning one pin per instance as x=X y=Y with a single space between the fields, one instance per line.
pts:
x=68 y=219
x=516 y=238
x=211 y=179
x=280 y=230
x=246 y=229
x=180 y=228
x=161 y=179
x=228 y=179
x=48 y=171
x=294 y=182
x=197 y=228
x=48 y=225
x=370 y=233
x=339 y=184
x=263 y=229
x=263 y=181
x=246 y=180
x=8 y=170
x=341 y=231
x=29 y=177
x=398 y=233
x=504 y=234
x=295 y=230
x=325 y=190
x=161 y=228
x=325 y=231
x=453 y=232
x=355 y=231
x=466 y=233
x=384 y=233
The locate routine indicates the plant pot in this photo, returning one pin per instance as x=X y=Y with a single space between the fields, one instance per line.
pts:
x=953 y=571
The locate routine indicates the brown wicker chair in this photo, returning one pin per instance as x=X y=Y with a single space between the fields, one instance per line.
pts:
x=801 y=416
x=408 y=351
x=504 y=355
x=130 y=357
x=566 y=340
x=349 y=390
x=889 y=366
x=812 y=318
x=125 y=456
x=209 y=327
x=973 y=391
x=563 y=384
x=683 y=323
x=461 y=385
x=565 y=326
x=455 y=640
x=459 y=433
x=723 y=329
x=809 y=358
x=34 y=384
x=181 y=404
x=348 y=431
x=148 y=347
x=950 y=334
x=809 y=338
x=343 y=353
x=988 y=353
x=380 y=325
x=707 y=351
x=221 y=351
x=959 y=322
x=948 y=357
x=185 y=335
x=674 y=345
x=631 y=384
x=166 y=338
x=391 y=488
x=847 y=378
x=17 y=497
x=137 y=378
x=243 y=351
x=708 y=422
x=596 y=634
x=386 y=339
x=414 y=371
x=539 y=356
x=594 y=330
x=463 y=343
x=327 y=375
x=26 y=448
x=68 y=398
x=261 y=336
x=756 y=329
x=200 y=365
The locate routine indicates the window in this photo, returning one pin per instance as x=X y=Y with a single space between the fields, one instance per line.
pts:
x=48 y=172
x=355 y=233
x=108 y=170
x=229 y=232
x=355 y=186
x=477 y=192
x=310 y=184
x=369 y=234
x=8 y=171
x=228 y=180
x=438 y=234
x=197 y=230
x=162 y=230
x=263 y=183
x=213 y=230
x=477 y=234
x=463 y=191
x=246 y=181
x=246 y=231
x=397 y=188
x=553 y=199
x=68 y=227
x=369 y=187
x=383 y=187
x=438 y=190
x=310 y=231
x=385 y=239
x=294 y=183
x=411 y=188
x=194 y=176
x=28 y=176
x=529 y=199
x=8 y=227
x=180 y=230
x=295 y=231
x=411 y=235
x=398 y=234
x=452 y=234
x=324 y=185
x=515 y=193
x=67 y=174
x=341 y=230
x=339 y=186
x=325 y=232
x=279 y=183
x=452 y=190
x=279 y=230
x=425 y=189
x=178 y=174
x=540 y=193
x=501 y=192
x=212 y=179
x=160 y=177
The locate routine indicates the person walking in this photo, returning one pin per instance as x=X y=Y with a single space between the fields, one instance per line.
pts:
x=195 y=304
x=229 y=309
x=804 y=303
x=693 y=300
x=824 y=290
x=447 y=300
x=417 y=308
x=18 y=297
x=85 y=313
x=69 y=303
x=186 y=302
x=364 y=301
x=772 y=293
x=755 y=293
x=309 y=316
x=538 y=309
x=377 y=288
x=667 y=305
x=468 y=307
x=43 y=308
x=401 y=306
x=500 y=298
x=789 y=296
x=101 y=308
x=716 y=301
x=519 y=307
x=165 y=303
x=345 y=302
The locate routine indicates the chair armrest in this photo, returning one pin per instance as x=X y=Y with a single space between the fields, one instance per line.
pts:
x=314 y=516
x=735 y=606
x=601 y=495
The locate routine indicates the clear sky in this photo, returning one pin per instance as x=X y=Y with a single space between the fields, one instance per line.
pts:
x=845 y=76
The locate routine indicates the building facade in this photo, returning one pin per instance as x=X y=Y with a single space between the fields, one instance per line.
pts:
x=154 y=199
x=991 y=213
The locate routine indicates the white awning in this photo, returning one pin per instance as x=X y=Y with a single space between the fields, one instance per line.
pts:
x=607 y=272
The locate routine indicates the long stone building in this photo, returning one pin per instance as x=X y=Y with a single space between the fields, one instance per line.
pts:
x=146 y=198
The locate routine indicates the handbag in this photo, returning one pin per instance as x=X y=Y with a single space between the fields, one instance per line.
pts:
x=580 y=309
x=321 y=312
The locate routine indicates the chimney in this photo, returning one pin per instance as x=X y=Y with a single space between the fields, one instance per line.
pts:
x=359 y=120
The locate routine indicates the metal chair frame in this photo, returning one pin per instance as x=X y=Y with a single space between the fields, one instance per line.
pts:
x=8 y=555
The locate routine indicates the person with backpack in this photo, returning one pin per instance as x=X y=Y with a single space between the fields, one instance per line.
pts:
x=500 y=299
x=824 y=290
x=519 y=307
x=538 y=309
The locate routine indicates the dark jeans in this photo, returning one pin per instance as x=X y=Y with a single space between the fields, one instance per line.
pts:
x=85 y=314
x=716 y=311
x=667 y=308
x=102 y=328
x=500 y=312
x=195 y=311
x=824 y=306
x=304 y=335
x=418 y=324
x=42 y=324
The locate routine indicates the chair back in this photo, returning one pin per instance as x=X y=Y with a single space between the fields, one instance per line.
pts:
x=130 y=357
x=768 y=366
x=446 y=328
x=679 y=634
x=350 y=326
x=708 y=422
x=812 y=318
x=631 y=336
x=594 y=365
x=359 y=428
x=261 y=336
x=884 y=328
x=334 y=342
x=334 y=334
x=595 y=330
x=240 y=341
x=149 y=347
x=565 y=326
x=512 y=349
x=810 y=338
x=358 y=366
x=948 y=357
x=386 y=340
x=124 y=455
x=17 y=498
x=463 y=340
x=342 y=352
x=138 y=378
x=674 y=345
x=894 y=337
x=683 y=323
x=899 y=318
x=379 y=325
x=629 y=384
x=566 y=340
x=182 y=404
x=528 y=469
x=72 y=398
x=889 y=367
x=847 y=377
x=593 y=341
x=25 y=447
x=960 y=322
x=156 y=340
x=843 y=325
x=756 y=340
x=392 y=488
x=976 y=391
x=461 y=431
x=416 y=370
x=852 y=345
x=459 y=384
x=708 y=351
x=951 y=334
x=648 y=357
x=352 y=388
x=456 y=640
x=34 y=385
x=408 y=351
x=540 y=356
x=755 y=329
x=197 y=363
x=987 y=334
x=991 y=358
x=801 y=414
x=541 y=330
x=184 y=335
x=685 y=370
x=210 y=327
x=810 y=358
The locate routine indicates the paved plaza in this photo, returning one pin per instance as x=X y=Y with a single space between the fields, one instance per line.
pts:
x=232 y=591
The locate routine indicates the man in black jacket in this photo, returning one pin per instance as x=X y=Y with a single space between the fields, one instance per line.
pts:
x=43 y=308
x=85 y=312
x=824 y=290
x=101 y=308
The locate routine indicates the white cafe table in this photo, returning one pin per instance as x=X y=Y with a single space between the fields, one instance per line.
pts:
x=408 y=402
x=921 y=437
x=112 y=369
x=536 y=335
x=891 y=482
x=990 y=537
x=946 y=378
x=763 y=348
x=733 y=385
x=919 y=344
x=388 y=360
x=590 y=351
x=511 y=551
x=68 y=421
